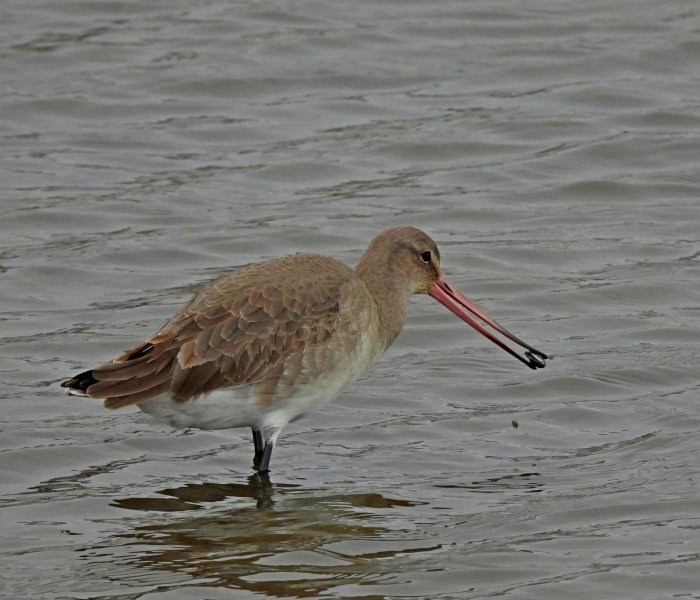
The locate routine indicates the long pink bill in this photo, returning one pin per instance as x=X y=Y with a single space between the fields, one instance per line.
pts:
x=459 y=304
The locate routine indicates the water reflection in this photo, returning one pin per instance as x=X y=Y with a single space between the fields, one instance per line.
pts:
x=192 y=495
x=289 y=542
x=519 y=481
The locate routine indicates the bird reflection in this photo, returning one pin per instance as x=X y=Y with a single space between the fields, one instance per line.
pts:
x=290 y=542
x=193 y=495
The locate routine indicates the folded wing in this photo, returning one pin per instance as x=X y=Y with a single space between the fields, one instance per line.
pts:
x=240 y=329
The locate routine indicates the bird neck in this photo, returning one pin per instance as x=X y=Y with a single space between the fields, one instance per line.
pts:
x=390 y=297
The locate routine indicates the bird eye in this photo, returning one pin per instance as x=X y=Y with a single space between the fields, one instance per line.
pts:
x=426 y=256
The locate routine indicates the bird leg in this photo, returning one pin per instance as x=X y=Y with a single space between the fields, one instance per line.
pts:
x=259 y=447
x=263 y=465
x=263 y=453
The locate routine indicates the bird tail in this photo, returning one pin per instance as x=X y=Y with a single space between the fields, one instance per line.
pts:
x=135 y=376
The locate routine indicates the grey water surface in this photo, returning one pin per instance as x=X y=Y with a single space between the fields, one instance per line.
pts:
x=551 y=148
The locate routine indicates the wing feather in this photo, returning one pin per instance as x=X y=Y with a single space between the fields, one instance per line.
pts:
x=241 y=329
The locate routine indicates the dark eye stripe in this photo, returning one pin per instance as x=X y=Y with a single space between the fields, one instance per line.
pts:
x=426 y=256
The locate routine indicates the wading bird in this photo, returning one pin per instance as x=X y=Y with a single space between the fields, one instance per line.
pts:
x=272 y=341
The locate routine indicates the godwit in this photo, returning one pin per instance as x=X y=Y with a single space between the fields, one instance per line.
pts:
x=268 y=343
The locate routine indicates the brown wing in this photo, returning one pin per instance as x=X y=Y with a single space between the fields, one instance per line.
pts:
x=241 y=329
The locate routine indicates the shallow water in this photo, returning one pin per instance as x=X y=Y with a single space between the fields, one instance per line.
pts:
x=550 y=148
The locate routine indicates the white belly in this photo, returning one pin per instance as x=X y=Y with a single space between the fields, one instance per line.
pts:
x=239 y=407
x=218 y=410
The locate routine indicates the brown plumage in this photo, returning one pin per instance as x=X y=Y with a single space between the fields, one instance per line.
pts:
x=281 y=336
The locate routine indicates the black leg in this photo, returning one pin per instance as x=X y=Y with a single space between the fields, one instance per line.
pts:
x=264 y=464
x=259 y=448
x=257 y=441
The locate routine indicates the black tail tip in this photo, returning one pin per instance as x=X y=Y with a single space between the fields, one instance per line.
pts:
x=82 y=381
